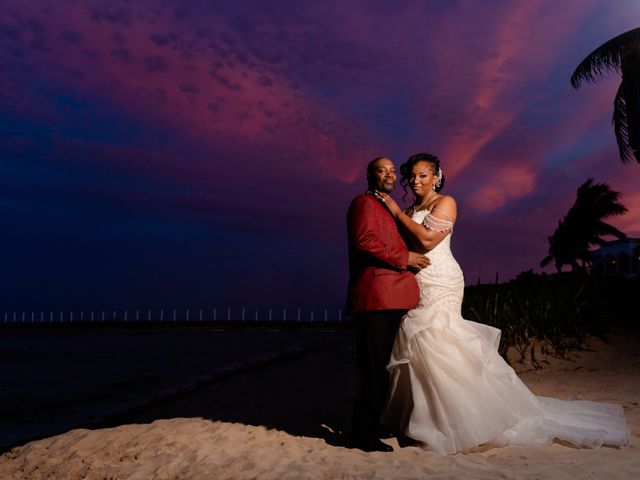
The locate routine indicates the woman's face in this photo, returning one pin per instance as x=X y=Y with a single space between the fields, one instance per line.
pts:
x=422 y=179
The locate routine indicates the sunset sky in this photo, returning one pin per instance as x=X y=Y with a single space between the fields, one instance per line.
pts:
x=198 y=153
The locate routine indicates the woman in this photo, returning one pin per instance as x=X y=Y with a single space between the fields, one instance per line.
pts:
x=450 y=389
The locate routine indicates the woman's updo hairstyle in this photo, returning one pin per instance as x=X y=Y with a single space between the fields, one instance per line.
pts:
x=407 y=167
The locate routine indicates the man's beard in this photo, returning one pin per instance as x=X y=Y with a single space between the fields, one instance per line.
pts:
x=387 y=187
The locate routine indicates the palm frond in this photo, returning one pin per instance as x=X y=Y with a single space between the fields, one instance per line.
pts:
x=606 y=211
x=546 y=260
x=585 y=187
x=607 y=57
x=631 y=86
x=603 y=228
x=621 y=126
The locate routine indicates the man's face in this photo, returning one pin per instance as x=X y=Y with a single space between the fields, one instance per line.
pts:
x=384 y=176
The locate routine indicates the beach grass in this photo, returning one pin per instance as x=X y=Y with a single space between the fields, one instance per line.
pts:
x=556 y=312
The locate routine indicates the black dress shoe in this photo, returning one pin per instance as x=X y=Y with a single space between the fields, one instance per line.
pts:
x=404 y=441
x=371 y=445
x=382 y=433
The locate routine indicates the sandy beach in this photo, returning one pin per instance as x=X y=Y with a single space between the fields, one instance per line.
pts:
x=291 y=420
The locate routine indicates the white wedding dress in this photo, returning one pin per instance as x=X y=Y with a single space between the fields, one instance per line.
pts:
x=451 y=390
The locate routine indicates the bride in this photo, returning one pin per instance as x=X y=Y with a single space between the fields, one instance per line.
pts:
x=450 y=389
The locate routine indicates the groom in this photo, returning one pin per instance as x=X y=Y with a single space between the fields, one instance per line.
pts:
x=381 y=290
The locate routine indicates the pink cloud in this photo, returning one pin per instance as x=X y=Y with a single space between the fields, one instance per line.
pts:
x=507 y=182
x=630 y=222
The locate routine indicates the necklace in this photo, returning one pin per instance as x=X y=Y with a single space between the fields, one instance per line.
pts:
x=423 y=202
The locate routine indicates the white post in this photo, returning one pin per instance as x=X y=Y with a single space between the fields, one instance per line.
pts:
x=114 y=315
x=187 y=314
x=81 y=316
x=339 y=314
x=149 y=315
x=161 y=315
x=325 y=314
x=243 y=314
x=23 y=317
x=92 y=315
x=51 y=317
x=312 y=315
x=41 y=317
x=215 y=314
x=125 y=315
x=32 y=316
x=71 y=316
x=200 y=314
x=60 y=316
x=228 y=314
x=270 y=316
x=256 y=319
x=284 y=314
x=137 y=315
x=103 y=315
x=298 y=315
x=174 y=314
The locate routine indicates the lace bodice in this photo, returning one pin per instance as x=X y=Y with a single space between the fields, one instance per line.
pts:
x=442 y=282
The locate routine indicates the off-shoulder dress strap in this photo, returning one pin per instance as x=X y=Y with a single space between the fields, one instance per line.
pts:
x=437 y=224
x=436 y=209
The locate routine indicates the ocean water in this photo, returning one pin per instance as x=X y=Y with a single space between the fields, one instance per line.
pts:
x=57 y=379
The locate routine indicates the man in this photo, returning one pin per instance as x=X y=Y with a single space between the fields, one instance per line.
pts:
x=381 y=290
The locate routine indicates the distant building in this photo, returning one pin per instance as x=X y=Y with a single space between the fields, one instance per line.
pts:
x=619 y=257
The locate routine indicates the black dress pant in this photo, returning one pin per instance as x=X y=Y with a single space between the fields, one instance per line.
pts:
x=375 y=334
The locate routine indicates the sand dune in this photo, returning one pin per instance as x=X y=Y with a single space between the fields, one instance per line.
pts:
x=206 y=448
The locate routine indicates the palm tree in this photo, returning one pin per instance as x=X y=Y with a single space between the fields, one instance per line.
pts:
x=620 y=54
x=584 y=225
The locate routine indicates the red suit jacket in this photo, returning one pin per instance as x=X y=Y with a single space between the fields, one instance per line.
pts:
x=378 y=276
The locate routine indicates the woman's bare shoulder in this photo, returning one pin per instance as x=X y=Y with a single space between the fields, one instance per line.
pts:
x=444 y=202
x=446 y=206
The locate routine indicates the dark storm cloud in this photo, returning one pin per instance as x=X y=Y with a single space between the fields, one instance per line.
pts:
x=214 y=107
x=112 y=13
x=265 y=81
x=189 y=88
x=123 y=55
x=156 y=64
x=160 y=39
x=226 y=82
x=72 y=36
x=117 y=37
